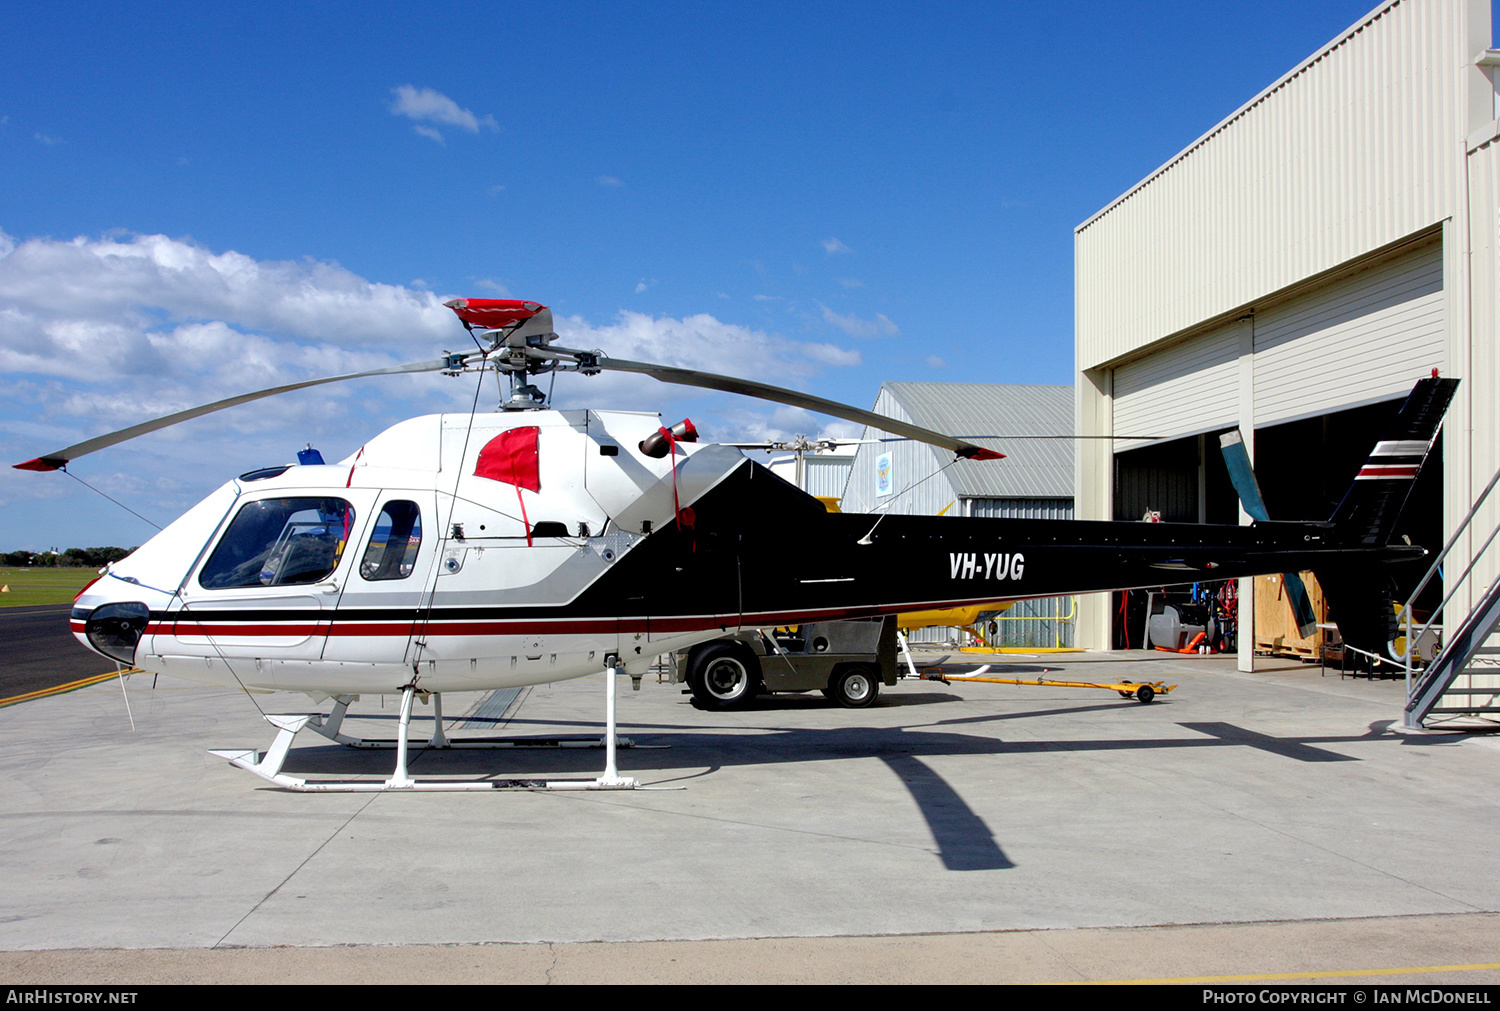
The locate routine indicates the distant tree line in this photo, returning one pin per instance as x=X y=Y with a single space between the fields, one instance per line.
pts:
x=88 y=558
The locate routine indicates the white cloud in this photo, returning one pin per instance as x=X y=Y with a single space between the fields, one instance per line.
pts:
x=112 y=331
x=644 y=283
x=831 y=245
x=880 y=326
x=780 y=424
x=850 y=282
x=831 y=354
x=704 y=342
x=934 y=362
x=100 y=333
x=426 y=106
x=45 y=139
x=610 y=181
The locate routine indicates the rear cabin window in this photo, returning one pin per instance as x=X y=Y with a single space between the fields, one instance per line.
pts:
x=392 y=552
x=280 y=542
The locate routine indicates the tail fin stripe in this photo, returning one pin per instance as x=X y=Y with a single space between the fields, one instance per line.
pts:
x=1371 y=507
x=1400 y=447
x=1373 y=471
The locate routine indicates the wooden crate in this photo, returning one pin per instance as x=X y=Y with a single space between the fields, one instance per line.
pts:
x=1276 y=626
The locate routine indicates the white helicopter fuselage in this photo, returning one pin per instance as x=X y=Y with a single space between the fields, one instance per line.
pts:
x=405 y=564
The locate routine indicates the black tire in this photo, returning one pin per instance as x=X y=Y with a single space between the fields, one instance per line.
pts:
x=1145 y=693
x=854 y=687
x=724 y=675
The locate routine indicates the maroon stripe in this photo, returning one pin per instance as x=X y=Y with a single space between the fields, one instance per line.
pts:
x=519 y=626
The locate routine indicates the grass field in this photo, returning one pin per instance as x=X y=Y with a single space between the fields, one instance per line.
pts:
x=42 y=586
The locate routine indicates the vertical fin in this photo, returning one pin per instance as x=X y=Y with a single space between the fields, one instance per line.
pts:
x=1367 y=516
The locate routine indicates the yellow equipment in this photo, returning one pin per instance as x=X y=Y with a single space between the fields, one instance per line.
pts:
x=1141 y=691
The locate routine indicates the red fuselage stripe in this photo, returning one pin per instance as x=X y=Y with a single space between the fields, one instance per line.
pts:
x=521 y=626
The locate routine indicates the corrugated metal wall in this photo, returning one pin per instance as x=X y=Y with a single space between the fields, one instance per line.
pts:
x=1185 y=390
x=1478 y=404
x=1020 y=508
x=1347 y=153
x=1042 y=622
x=825 y=474
x=1363 y=339
x=911 y=462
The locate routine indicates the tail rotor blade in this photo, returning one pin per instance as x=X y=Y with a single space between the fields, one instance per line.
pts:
x=59 y=459
x=1296 y=596
x=780 y=395
x=1242 y=475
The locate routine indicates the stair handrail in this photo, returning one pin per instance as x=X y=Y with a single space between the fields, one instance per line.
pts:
x=1406 y=610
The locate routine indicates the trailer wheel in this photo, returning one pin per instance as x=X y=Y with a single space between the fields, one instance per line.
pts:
x=1145 y=693
x=853 y=687
x=1127 y=695
x=724 y=675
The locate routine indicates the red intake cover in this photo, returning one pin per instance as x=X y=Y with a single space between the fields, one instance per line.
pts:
x=494 y=312
x=511 y=457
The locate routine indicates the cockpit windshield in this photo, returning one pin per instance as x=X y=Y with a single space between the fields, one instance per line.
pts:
x=280 y=542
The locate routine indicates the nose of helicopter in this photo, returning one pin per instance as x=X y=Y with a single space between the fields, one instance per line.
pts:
x=111 y=628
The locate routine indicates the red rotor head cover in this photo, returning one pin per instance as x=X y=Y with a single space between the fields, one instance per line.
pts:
x=494 y=313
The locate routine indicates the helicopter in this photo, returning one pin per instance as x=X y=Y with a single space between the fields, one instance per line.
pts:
x=530 y=545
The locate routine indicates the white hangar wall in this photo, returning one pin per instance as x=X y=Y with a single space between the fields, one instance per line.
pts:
x=1323 y=247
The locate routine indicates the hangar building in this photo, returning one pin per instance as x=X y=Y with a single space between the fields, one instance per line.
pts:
x=1034 y=481
x=1292 y=273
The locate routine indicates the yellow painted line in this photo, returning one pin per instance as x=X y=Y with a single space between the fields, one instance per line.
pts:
x=71 y=686
x=1022 y=649
x=1264 y=977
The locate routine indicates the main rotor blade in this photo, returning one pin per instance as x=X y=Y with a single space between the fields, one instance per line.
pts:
x=55 y=461
x=776 y=394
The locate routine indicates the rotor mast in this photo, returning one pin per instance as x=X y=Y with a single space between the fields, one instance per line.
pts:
x=515 y=338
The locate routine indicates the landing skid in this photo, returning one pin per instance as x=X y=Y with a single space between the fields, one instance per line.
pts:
x=330 y=725
x=268 y=765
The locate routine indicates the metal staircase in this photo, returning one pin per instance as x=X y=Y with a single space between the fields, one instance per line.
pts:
x=1464 y=653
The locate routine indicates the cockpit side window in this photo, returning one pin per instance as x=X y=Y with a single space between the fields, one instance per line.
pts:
x=280 y=542
x=392 y=552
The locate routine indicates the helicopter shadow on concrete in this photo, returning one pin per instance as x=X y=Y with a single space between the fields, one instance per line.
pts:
x=964 y=840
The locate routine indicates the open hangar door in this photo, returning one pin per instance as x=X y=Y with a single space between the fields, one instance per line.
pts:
x=1178 y=481
x=1320 y=368
x=1304 y=467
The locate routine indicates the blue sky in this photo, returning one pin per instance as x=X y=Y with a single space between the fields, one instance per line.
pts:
x=197 y=201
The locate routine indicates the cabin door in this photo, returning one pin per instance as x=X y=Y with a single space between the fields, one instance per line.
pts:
x=386 y=595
